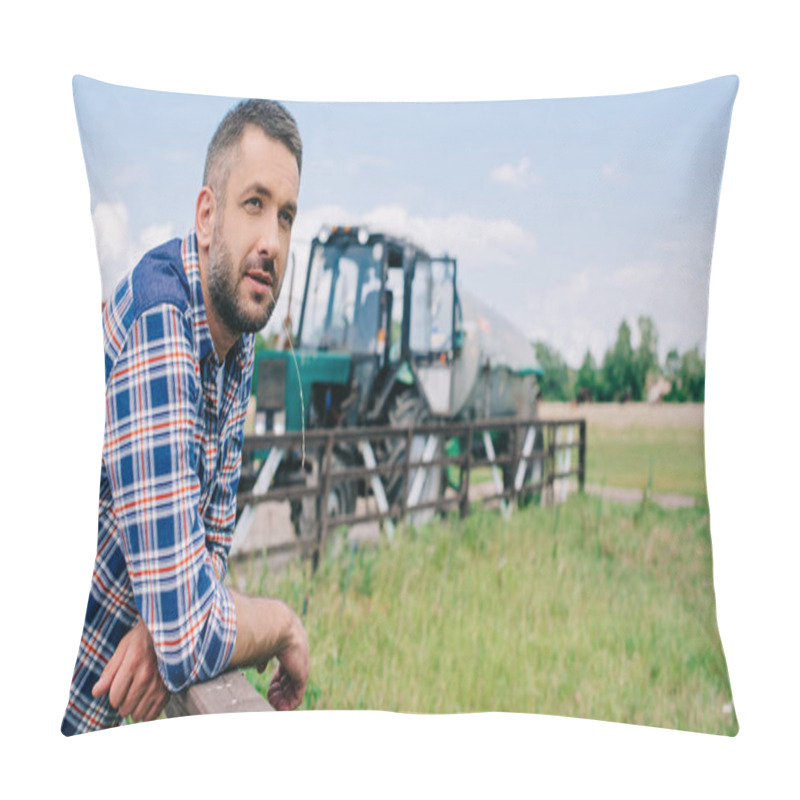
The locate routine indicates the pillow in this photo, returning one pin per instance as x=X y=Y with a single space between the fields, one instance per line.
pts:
x=572 y=244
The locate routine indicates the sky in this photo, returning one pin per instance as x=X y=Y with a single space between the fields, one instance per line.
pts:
x=566 y=216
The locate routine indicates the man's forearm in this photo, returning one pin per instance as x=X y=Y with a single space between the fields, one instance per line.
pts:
x=267 y=628
x=264 y=627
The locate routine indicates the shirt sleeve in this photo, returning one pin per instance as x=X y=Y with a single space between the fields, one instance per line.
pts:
x=153 y=465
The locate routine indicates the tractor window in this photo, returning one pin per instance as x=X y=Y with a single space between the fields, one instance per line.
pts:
x=343 y=301
x=441 y=306
x=432 y=306
x=395 y=284
x=320 y=278
x=364 y=336
x=420 y=331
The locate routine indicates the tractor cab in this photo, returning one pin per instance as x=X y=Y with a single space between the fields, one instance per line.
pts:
x=386 y=304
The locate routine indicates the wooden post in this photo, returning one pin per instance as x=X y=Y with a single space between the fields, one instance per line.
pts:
x=551 y=460
x=323 y=500
x=513 y=467
x=466 y=465
x=582 y=455
x=406 y=471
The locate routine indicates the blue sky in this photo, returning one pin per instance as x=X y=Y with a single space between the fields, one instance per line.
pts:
x=565 y=215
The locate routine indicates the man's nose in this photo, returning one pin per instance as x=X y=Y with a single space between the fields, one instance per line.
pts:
x=269 y=239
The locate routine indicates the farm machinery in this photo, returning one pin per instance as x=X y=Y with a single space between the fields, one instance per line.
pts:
x=387 y=339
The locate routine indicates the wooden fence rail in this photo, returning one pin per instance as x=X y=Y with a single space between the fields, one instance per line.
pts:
x=227 y=693
x=551 y=451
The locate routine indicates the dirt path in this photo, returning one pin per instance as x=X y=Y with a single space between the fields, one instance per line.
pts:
x=273 y=527
x=634 y=496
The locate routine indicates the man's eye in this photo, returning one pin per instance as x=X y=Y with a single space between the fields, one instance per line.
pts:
x=253 y=202
x=287 y=218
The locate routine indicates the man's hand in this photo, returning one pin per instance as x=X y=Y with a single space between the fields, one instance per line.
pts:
x=288 y=684
x=269 y=629
x=131 y=677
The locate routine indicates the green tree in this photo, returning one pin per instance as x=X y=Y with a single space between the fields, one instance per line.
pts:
x=619 y=371
x=687 y=373
x=672 y=366
x=587 y=380
x=672 y=372
x=555 y=385
x=693 y=375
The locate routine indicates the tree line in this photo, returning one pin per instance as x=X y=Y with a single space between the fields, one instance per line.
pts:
x=626 y=373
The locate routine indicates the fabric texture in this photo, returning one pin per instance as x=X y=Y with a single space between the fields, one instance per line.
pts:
x=170 y=469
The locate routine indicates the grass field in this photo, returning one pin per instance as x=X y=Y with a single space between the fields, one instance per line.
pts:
x=630 y=444
x=589 y=609
x=628 y=458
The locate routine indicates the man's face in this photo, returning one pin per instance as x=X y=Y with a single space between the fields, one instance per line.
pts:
x=251 y=233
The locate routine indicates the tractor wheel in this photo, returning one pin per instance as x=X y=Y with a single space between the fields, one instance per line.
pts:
x=341 y=501
x=408 y=408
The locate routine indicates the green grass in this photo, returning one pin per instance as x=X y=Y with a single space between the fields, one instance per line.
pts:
x=586 y=610
x=623 y=458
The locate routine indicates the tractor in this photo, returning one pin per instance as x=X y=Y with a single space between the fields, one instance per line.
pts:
x=385 y=337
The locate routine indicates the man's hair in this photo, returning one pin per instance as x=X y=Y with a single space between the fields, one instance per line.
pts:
x=271 y=117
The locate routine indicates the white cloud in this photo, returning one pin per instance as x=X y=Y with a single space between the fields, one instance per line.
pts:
x=111 y=232
x=118 y=250
x=515 y=174
x=474 y=241
x=560 y=317
x=311 y=220
x=154 y=235
x=585 y=310
x=487 y=250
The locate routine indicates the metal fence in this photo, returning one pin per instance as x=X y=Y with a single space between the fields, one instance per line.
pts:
x=528 y=460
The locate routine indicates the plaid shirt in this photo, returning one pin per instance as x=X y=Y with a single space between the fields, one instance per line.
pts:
x=171 y=463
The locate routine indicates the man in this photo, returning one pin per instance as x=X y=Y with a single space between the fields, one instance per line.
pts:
x=178 y=335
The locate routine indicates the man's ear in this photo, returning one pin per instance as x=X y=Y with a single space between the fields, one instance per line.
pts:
x=204 y=217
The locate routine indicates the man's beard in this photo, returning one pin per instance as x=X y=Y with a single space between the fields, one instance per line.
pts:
x=223 y=282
